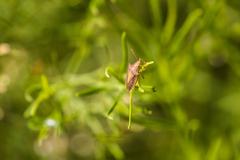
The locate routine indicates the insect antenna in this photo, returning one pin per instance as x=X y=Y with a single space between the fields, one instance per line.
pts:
x=133 y=53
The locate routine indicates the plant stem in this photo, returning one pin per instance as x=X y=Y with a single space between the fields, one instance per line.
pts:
x=124 y=52
x=130 y=109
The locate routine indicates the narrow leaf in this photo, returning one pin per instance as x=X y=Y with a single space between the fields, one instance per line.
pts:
x=171 y=20
x=90 y=91
x=156 y=15
x=115 y=103
x=124 y=52
x=44 y=81
x=184 y=30
x=30 y=90
x=110 y=72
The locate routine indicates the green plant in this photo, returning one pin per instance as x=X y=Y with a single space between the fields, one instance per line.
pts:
x=78 y=112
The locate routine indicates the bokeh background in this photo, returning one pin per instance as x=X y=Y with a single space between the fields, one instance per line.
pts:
x=62 y=67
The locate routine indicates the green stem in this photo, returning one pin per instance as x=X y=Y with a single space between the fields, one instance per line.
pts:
x=130 y=109
x=156 y=14
x=124 y=52
x=171 y=20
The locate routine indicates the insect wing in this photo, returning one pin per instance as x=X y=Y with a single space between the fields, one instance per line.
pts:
x=132 y=75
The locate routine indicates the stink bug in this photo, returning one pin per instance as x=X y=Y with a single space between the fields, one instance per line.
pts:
x=133 y=73
x=132 y=80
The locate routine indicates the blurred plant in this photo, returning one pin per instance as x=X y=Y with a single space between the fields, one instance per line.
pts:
x=195 y=49
x=132 y=81
x=170 y=44
x=60 y=96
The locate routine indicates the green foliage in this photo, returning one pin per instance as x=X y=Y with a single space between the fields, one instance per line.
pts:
x=62 y=79
x=124 y=53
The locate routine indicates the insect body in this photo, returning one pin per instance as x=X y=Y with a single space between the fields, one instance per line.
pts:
x=132 y=80
x=133 y=74
x=134 y=71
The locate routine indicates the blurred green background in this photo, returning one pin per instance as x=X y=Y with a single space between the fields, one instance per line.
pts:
x=55 y=93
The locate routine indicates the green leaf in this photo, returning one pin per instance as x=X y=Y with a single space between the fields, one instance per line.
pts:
x=124 y=53
x=31 y=110
x=115 y=103
x=77 y=59
x=29 y=91
x=146 y=88
x=44 y=82
x=184 y=30
x=109 y=71
x=171 y=20
x=156 y=15
x=116 y=150
x=90 y=91
x=43 y=134
x=45 y=93
x=214 y=149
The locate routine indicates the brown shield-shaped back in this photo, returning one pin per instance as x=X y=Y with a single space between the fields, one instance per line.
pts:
x=132 y=74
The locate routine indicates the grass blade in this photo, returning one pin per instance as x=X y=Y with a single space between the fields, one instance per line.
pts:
x=171 y=20
x=184 y=30
x=115 y=103
x=90 y=91
x=76 y=60
x=156 y=15
x=124 y=52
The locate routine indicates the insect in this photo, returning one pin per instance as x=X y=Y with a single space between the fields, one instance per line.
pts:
x=133 y=73
x=132 y=80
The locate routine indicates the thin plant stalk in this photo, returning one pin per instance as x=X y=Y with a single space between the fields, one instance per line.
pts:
x=130 y=109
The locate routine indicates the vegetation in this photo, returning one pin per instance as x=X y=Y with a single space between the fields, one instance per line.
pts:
x=63 y=69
